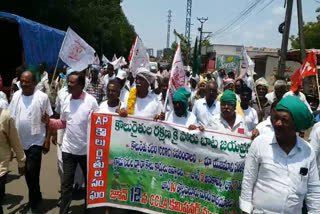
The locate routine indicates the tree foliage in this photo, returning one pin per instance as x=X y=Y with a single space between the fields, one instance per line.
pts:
x=101 y=23
x=311 y=33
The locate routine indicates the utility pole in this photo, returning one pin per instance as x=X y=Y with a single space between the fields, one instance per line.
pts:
x=202 y=21
x=169 y=26
x=301 y=34
x=285 y=38
x=188 y=20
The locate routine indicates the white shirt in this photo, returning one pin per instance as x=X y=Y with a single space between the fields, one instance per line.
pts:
x=190 y=119
x=62 y=95
x=27 y=115
x=203 y=112
x=251 y=118
x=106 y=79
x=43 y=85
x=272 y=182
x=76 y=113
x=147 y=107
x=193 y=94
x=265 y=127
x=3 y=100
x=301 y=96
x=218 y=124
x=314 y=140
x=106 y=109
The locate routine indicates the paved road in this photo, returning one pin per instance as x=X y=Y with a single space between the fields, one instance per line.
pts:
x=17 y=192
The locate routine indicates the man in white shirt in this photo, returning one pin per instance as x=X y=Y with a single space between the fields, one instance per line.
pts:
x=43 y=85
x=228 y=121
x=113 y=104
x=314 y=140
x=205 y=108
x=180 y=114
x=109 y=75
x=141 y=102
x=300 y=95
x=75 y=116
x=250 y=114
x=280 y=170
x=26 y=107
x=265 y=127
x=280 y=88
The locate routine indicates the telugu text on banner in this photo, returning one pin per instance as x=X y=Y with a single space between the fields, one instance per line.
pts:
x=155 y=167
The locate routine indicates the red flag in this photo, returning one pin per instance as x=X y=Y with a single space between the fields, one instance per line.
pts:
x=308 y=68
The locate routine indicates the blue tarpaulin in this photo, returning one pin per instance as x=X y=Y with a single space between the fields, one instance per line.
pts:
x=40 y=42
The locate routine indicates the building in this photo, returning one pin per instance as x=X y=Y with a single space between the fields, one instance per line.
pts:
x=150 y=51
x=159 y=54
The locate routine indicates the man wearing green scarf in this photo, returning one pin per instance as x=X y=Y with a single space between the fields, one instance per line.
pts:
x=281 y=167
x=180 y=114
x=228 y=121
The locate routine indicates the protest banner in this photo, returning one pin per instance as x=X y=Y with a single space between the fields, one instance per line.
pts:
x=156 y=167
x=228 y=62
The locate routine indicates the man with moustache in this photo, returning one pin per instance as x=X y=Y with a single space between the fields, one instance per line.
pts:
x=281 y=170
x=75 y=119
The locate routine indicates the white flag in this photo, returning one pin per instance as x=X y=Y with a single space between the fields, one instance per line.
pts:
x=178 y=76
x=75 y=52
x=119 y=62
x=139 y=57
x=114 y=58
x=249 y=63
x=105 y=60
x=247 y=74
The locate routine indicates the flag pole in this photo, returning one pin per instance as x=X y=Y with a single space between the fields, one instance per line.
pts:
x=255 y=91
x=317 y=80
x=55 y=69
x=167 y=94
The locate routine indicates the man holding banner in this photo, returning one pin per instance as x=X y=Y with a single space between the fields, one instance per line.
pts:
x=228 y=121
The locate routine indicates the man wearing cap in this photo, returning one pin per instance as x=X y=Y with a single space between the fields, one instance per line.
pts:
x=262 y=106
x=205 y=108
x=96 y=87
x=228 y=121
x=280 y=170
x=141 y=102
x=193 y=87
x=180 y=114
x=280 y=88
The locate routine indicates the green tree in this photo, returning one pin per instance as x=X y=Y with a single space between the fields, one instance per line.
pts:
x=311 y=33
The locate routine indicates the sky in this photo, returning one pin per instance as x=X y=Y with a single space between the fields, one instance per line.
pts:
x=258 y=29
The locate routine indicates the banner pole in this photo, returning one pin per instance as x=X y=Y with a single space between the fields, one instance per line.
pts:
x=255 y=90
x=317 y=80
